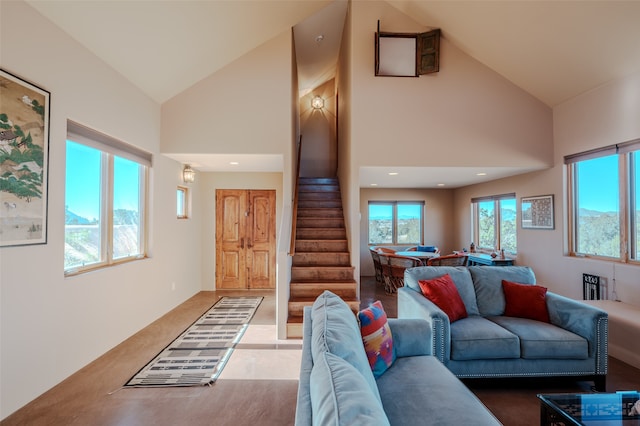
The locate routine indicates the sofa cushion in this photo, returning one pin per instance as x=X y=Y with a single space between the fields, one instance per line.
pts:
x=340 y=395
x=377 y=338
x=539 y=340
x=476 y=337
x=525 y=301
x=335 y=329
x=427 y=249
x=443 y=292
x=487 y=281
x=420 y=390
x=459 y=274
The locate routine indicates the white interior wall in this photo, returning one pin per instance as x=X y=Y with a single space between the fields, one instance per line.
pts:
x=51 y=326
x=465 y=107
x=243 y=108
x=347 y=175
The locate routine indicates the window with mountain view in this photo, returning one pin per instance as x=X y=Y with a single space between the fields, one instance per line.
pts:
x=494 y=222
x=396 y=222
x=603 y=198
x=105 y=200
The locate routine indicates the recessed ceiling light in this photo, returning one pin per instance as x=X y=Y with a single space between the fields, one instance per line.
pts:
x=481 y=174
x=234 y=163
x=374 y=184
x=441 y=184
x=393 y=173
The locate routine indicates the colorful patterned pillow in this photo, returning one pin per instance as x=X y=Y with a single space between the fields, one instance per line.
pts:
x=525 y=301
x=443 y=292
x=377 y=338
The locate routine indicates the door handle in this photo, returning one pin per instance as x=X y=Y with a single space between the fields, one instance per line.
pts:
x=241 y=242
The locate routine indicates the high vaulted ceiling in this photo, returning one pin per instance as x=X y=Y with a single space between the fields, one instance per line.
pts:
x=164 y=47
x=554 y=50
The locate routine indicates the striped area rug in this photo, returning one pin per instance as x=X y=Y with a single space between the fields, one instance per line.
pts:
x=198 y=355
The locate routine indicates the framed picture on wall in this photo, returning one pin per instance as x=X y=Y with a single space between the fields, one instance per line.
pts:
x=537 y=212
x=24 y=155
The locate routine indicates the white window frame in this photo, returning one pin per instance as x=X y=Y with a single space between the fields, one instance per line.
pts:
x=394 y=220
x=110 y=148
x=627 y=169
x=475 y=220
x=186 y=202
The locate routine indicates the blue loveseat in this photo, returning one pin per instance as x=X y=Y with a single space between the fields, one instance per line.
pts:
x=337 y=386
x=489 y=344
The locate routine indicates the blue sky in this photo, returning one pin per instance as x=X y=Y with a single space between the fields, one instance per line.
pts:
x=82 y=179
x=599 y=184
x=381 y=211
x=83 y=182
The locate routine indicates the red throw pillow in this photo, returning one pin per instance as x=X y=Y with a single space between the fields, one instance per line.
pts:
x=525 y=301
x=444 y=293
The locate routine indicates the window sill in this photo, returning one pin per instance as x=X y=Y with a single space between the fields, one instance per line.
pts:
x=79 y=271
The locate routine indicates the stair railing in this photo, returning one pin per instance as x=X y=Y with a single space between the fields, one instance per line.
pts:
x=294 y=214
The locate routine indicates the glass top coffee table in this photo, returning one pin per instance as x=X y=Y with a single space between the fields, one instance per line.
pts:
x=589 y=409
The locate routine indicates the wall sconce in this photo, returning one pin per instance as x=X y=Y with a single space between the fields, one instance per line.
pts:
x=317 y=102
x=188 y=175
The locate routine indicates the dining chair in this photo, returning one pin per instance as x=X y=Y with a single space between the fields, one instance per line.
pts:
x=375 y=255
x=448 y=260
x=393 y=270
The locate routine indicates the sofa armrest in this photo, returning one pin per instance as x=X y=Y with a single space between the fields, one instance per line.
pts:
x=411 y=337
x=584 y=320
x=303 y=403
x=412 y=304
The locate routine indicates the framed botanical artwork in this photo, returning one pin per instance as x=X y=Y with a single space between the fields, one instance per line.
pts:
x=24 y=155
x=537 y=212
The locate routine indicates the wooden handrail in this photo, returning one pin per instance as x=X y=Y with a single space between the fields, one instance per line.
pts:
x=294 y=210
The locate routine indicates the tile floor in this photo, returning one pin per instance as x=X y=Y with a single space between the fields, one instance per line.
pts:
x=261 y=356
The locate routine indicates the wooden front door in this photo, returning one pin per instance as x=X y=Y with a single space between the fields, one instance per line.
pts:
x=245 y=239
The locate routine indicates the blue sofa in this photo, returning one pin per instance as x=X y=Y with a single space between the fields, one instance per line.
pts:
x=489 y=344
x=337 y=386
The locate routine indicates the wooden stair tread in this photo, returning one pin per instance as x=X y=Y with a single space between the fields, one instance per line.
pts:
x=313 y=299
x=294 y=319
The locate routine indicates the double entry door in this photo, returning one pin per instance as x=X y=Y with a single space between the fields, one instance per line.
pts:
x=245 y=239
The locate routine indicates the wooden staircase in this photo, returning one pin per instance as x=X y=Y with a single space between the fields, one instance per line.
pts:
x=321 y=260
